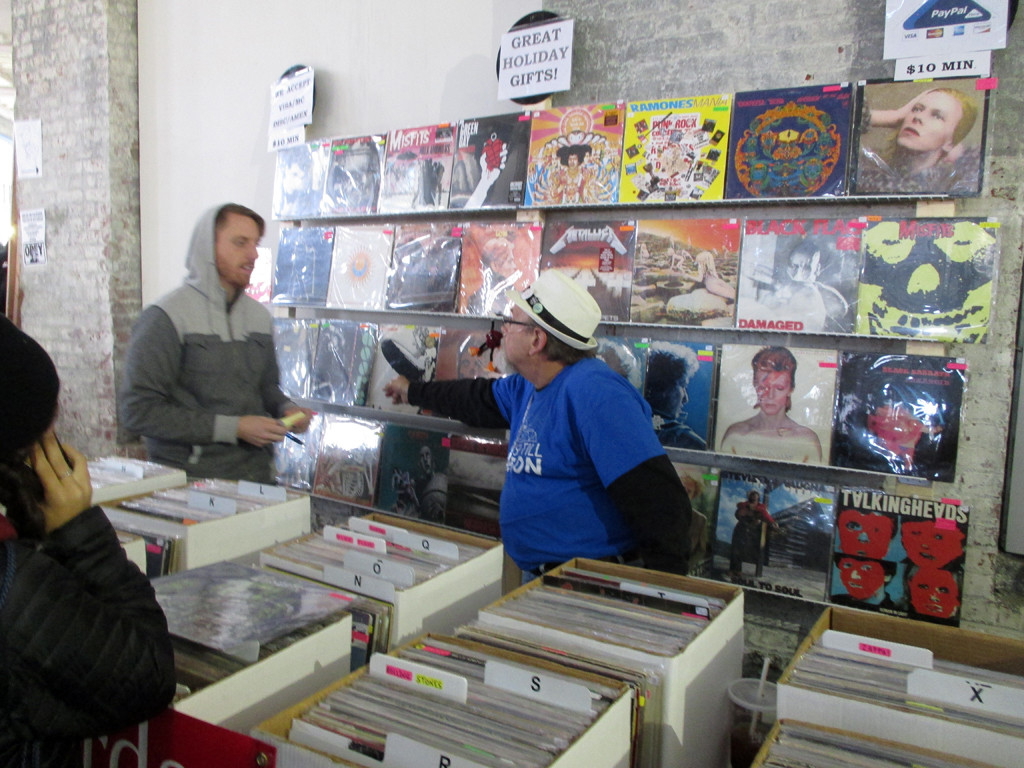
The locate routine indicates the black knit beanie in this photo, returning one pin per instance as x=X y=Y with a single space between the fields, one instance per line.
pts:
x=28 y=389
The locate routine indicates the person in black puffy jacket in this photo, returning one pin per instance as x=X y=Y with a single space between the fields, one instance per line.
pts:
x=84 y=647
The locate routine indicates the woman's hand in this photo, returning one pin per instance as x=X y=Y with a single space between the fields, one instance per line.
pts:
x=64 y=473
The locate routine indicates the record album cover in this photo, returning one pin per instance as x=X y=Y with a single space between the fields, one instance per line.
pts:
x=346 y=467
x=490 y=162
x=344 y=358
x=299 y=180
x=476 y=474
x=774 y=534
x=295 y=345
x=424 y=273
x=899 y=414
x=678 y=386
x=403 y=350
x=701 y=484
x=596 y=254
x=302 y=269
x=413 y=473
x=464 y=354
x=496 y=256
x=575 y=154
x=359 y=271
x=685 y=272
x=418 y=169
x=626 y=356
x=915 y=138
x=800 y=275
x=675 y=149
x=295 y=460
x=899 y=555
x=776 y=402
x=790 y=142
x=928 y=278
x=352 y=178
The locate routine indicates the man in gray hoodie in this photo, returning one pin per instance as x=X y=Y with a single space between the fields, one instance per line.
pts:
x=201 y=382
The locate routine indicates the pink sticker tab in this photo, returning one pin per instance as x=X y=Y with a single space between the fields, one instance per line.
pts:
x=344 y=537
x=456 y=231
x=398 y=672
x=986 y=83
x=524 y=116
x=435 y=650
x=446 y=442
x=339 y=596
x=954 y=502
x=957 y=366
x=378 y=529
x=878 y=650
x=944 y=524
x=831 y=88
x=827 y=364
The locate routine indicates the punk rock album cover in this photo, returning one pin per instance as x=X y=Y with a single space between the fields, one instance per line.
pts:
x=899 y=414
x=476 y=474
x=402 y=350
x=490 y=162
x=352 y=178
x=930 y=279
x=359 y=272
x=675 y=149
x=914 y=138
x=774 y=534
x=424 y=274
x=701 y=484
x=626 y=356
x=596 y=254
x=417 y=169
x=346 y=467
x=789 y=142
x=899 y=555
x=302 y=269
x=344 y=358
x=295 y=345
x=776 y=402
x=575 y=154
x=463 y=353
x=799 y=275
x=496 y=256
x=685 y=272
x=299 y=180
x=413 y=477
x=680 y=375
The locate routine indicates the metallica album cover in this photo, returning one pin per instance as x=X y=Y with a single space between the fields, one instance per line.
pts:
x=899 y=414
x=490 y=162
x=790 y=142
x=675 y=149
x=799 y=275
x=596 y=254
x=929 y=279
x=685 y=272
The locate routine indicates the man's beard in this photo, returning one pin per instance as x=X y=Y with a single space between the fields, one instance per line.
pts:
x=502 y=364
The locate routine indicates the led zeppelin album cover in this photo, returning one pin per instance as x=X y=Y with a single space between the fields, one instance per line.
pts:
x=790 y=142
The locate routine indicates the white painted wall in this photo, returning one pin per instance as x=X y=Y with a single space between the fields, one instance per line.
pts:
x=205 y=72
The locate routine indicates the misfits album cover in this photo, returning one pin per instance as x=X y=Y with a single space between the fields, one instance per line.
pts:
x=417 y=169
x=675 y=149
x=790 y=142
x=685 y=272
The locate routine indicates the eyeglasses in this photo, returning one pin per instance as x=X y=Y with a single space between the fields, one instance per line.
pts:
x=509 y=321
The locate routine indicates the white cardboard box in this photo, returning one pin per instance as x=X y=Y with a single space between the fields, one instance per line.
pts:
x=249 y=696
x=212 y=541
x=605 y=744
x=438 y=604
x=928 y=731
x=134 y=547
x=696 y=711
x=139 y=477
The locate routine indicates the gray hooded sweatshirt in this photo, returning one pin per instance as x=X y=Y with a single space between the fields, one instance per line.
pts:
x=195 y=365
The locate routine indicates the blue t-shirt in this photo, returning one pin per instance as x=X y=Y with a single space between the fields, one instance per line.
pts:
x=568 y=442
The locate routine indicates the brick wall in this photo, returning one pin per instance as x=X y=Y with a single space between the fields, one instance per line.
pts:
x=638 y=49
x=76 y=70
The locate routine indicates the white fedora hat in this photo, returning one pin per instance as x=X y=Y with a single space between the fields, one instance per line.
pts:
x=560 y=306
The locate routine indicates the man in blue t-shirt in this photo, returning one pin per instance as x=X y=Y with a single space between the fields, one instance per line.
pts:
x=586 y=475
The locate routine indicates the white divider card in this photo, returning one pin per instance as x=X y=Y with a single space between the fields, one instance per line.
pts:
x=264 y=491
x=355 y=539
x=371 y=586
x=127 y=468
x=399 y=574
x=872 y=646
x=534 y=684
x=314 y=736
x=207 y=502
x=961 y=691
x=698 y=604
x=402 y=752
x=420 y=677
x=417 y=542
